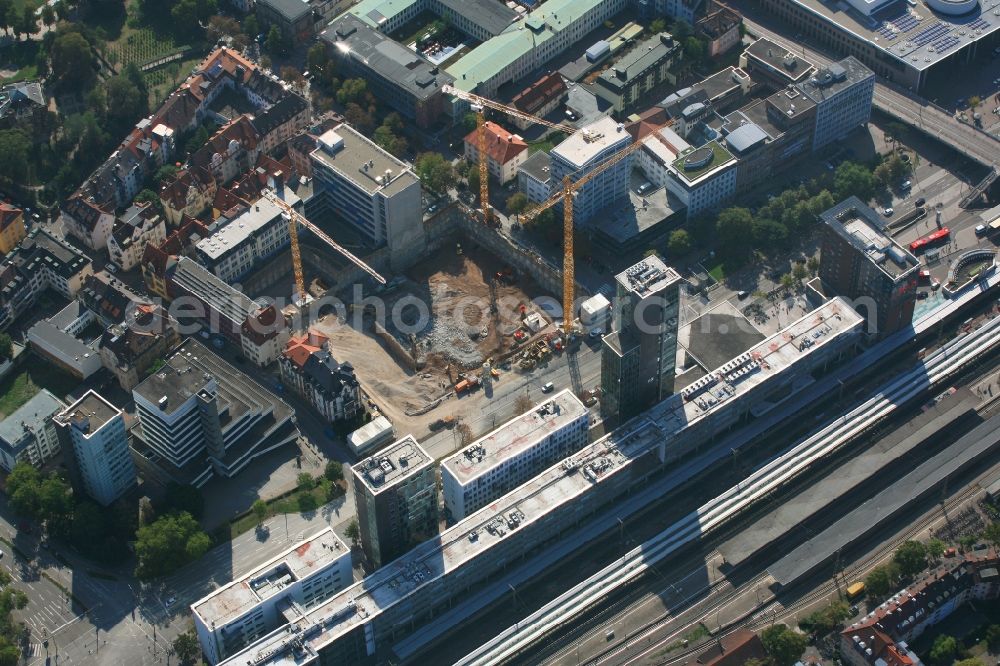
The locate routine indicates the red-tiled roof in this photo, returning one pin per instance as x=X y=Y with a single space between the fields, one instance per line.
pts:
x=501 y=145
x=299 y=348
x=540 y=93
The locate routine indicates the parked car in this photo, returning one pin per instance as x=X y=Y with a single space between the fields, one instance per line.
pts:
x=920 y=202
x=888 y=211
x=980 y=229
x=906 y=184
x=548 y=387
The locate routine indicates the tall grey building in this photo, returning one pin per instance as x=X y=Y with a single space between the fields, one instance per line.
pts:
x=396 y=495
x=843 y=93
x=639 y=355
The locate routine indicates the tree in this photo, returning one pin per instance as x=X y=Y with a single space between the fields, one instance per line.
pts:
x=975 y=101
x=799 y=272
x=472 y=179
x=186 y=647
x=168 y=543
x=971 y=661
x=307 y=502
x=352 y=90
x=125 y=102
x=851 y=178
x=15 y=152
x=359 y=118
x=259 y=509
x=935 y=548
x=679 y=243
x=993 y=637
x=882 y=579
x=184 y=15
x=658 y=25
x=825 y=620
x=223 y=26
x=6 y=347
x=334 y=471
x=353 y=532
x=183 y=497
x=251 y=26
x=274 y=42
x=769 y=235
x=911 y=558
x=694 y=49
x=48 y=15
x=165 y=174
x=943 y=651
x=469 y=121
x=734 y=229
x=148 y=196
x=316 y=58
x=435 y=172
x=28 y=21
x=305 y=481
x=387 y=140
x=522 y=403
x=72 y=60
x=464 y=432
x=992 y=533
x=812 y=263
x=517 y=203
x=783 y=645
x=23 y=488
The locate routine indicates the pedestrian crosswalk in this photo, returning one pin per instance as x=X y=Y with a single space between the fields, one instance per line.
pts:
x=34 y=650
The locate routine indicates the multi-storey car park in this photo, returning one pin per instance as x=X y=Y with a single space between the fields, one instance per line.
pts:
x=369 y=619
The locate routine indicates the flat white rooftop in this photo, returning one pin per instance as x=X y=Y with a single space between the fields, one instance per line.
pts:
x=459 y=545
x=396 y=462
x=583 y=146
x=231 y=601
x=514 y=437
x=647 y=277
x=231 y=236
x=665 y=145
x=351 y=154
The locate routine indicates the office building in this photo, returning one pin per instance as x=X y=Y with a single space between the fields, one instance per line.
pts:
x=309 y=368
x=534 y=179
x=245 y=242
x=253 y=605
x=911 y=44
x=28 y=433
x=68 y=340
x=202 y=416
x=396 y=495
x=685 y=10
x=660 y=148
x=94 y=430
x=721 y=27
x=631 y=77
x=578 y=154
x=39 y=262
x=398 y=610
x=505 y=152
x=703 y=178
x=772 y=65
x=859 y=260
x=12 y=229
x=374 y=193
x=400 y=77
x=639 y=356
x=843 y=93
x=524 y=447
x=138 y=225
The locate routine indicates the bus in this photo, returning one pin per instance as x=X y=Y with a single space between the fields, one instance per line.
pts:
x=855 y=590
x=931 y=238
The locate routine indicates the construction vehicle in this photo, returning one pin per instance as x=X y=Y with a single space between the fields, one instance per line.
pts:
x=442 y=423
x=569 y=187
x=479 y=105
x=294 y=219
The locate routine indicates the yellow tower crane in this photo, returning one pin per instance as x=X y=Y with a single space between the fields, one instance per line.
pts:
x=294 y=217
x=479 y=105
x=569 y=188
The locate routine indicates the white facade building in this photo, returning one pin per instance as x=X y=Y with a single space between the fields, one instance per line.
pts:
x=96 y=431
x=302 y=577
x=580 y=153
x=28 y=434
x=518 y=450
x=703 y=178
x=138 y=226
x=658 y=152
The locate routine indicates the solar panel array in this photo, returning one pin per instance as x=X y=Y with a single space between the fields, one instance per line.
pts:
x=943 y=45
x=979 y=24
x=929 y=34
x=886 y=31
x=906 y=22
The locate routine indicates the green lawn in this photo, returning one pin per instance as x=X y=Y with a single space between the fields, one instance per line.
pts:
x=19 y=388
x=20 y=58
x=718 y=272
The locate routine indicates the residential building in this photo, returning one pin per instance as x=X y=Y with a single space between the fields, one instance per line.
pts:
x=232 y=150
x=527 y=45
x=258 y=328
x=57 y=340
x=540 y=98
x=202 y=416
x=131 y=348
x=398 y=610
x=534 y=179
x=638 y=357
x=505 y=152
x=772 y=65
x=21 y=99
x=189 y=194
x=505 y=458
x=721 y=27
x=110 y=299
x=396 y=496
x=253 y=605
x=703 y=178
x=28 y=434
x=308 y=368
x=281 y=121
x=39 y=262
x=139 y=225
x=843 y=93
x=374 y=193
x=859 y=260
x=885 y=634
x=631 y=77
x=242 y=244
x=909 y=44
x=12 y=229
x=158 y=262
x=577 y=155
x=400 y=77
x=94 y=430
x=86 y=221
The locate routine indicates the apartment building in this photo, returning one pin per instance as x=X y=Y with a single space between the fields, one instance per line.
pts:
x=540 y=98
x=309 y=368
x=94 y=430
x=87 y=222
x=28 y=433
x=396 y=494
x=505 y=152
x=12 y=229
x=626 y=82
x=138 y=225
x=505 y=458
x=132 y=346
x=534 y=177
